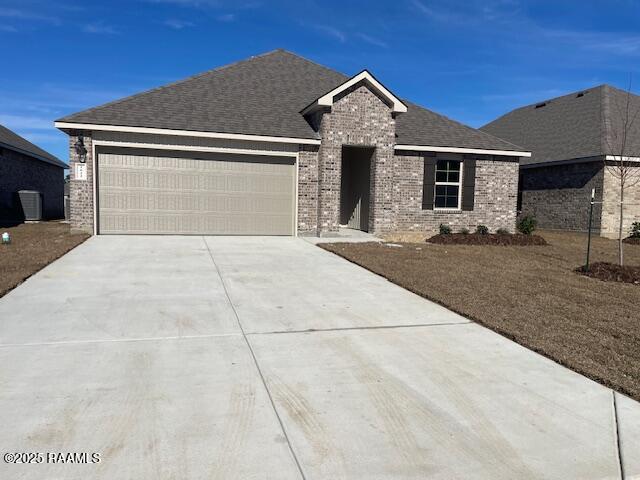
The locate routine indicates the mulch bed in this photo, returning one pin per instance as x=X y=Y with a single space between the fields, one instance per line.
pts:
x=489 y=239
x=632 y=240
x=611 y=272
x=33 y=247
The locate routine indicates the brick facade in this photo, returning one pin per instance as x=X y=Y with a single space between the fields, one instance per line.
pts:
x=496 y=190
x=358 y=117
x=558 y=196
x=22 y=172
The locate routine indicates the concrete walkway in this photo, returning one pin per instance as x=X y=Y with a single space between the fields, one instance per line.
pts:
x=269 y=358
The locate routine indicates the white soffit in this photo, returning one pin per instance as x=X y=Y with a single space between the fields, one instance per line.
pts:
x=477 y=151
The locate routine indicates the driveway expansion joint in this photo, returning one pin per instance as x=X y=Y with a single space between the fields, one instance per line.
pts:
x=616 y=432
x=255 y=361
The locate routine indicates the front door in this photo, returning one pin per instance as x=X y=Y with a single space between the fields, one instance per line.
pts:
x=355 y=187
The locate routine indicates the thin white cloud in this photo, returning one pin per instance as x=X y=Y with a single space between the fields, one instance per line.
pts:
x=226 y=18
x=49 y=100
x=100 y=28
x=332 y=32
x=470 y=13
x=372 y=40
x=22 y=122
x=244 y=4
x=189 y=3
x=177 y=24
x=617 y=43
x=21 y=14
x=437 y=14
x=37 y=137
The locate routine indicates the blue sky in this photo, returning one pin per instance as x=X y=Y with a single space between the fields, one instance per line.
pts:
x=471 y=60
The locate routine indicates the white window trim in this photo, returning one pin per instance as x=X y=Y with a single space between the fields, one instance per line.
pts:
x=455 y=184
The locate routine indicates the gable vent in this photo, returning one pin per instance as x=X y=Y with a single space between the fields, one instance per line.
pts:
x=540 y=105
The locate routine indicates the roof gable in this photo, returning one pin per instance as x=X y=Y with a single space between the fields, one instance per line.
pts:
x=372 y=83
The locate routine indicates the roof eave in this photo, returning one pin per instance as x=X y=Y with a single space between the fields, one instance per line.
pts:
x=67 y=126
x=463 y=150
x=53 y=161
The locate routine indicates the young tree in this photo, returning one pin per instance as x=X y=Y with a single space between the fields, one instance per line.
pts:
x=619 y=161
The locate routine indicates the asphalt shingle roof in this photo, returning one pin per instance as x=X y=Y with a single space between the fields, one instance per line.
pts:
x=264 y=95
x=13 y=141
x=579 y=125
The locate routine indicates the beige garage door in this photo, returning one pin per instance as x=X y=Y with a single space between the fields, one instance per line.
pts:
x=141 y=191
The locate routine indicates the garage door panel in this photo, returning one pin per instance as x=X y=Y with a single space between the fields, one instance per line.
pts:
x=250 y=182
x=231 y=194
x=219 y=181
x=146 y=223
x=113 y=202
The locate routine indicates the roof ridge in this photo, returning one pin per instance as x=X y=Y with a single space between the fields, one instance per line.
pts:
x=178 y=82
x=605 y=118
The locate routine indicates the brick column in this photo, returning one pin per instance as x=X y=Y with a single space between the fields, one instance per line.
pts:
x=81 y=191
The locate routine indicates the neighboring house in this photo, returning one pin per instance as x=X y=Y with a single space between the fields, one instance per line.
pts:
x=279 y=145
x=570 y=138
x=24 y=166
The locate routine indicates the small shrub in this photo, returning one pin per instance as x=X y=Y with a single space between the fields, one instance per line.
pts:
x=482 y=230
x=503 y=231
x=635 y=230
x=527 y=225
x=465 y=231
x=445 y=229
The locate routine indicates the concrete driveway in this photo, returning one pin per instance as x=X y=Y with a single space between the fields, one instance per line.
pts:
x=269 y=358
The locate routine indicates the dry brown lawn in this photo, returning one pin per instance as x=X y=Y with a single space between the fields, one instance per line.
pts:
x=529 y=294
x=33 y=246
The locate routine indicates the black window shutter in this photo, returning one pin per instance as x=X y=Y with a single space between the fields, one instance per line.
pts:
x=428 y=183
x=468 y=183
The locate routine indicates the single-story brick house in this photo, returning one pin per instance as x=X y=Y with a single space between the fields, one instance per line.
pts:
x=571 y=137
x=25 y=166
x=279 y=145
